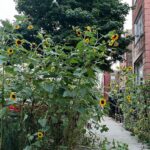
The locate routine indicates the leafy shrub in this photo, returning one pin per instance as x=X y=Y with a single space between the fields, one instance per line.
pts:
x=49 y=91
x=134 y=101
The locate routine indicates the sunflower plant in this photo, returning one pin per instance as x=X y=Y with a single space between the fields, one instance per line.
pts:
x=49 y=92
x=133 y=101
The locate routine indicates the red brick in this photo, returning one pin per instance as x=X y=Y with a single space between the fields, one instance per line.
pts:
x=144 y=43
x=147 y=66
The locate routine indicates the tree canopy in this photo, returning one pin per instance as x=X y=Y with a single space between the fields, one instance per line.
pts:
x=58 y=17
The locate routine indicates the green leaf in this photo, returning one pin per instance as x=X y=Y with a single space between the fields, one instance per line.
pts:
x=54 y=120
x=3 y=112
x=25 y=117
x=79 y=72
x=80 y=45
x=73 y=61
x=42 y=122
x=28 y=148
x=10 y=102
x=2 y=59
x=47 y=87
x=68 y=93
x=37 y=144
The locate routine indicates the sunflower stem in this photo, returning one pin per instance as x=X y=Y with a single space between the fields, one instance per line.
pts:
x=2 y=103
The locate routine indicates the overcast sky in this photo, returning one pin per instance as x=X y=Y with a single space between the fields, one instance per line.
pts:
x=7 y=11
x=128 y=23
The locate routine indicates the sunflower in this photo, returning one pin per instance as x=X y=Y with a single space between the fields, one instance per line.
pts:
x=116 y=44
x=40 y=135
x=131 y=110
x=10 y=51
x=13 y=96
x=30 y=27
x=115 y=37
x=78 y=32
x=88 y=28
x=130 y=68
x=17 y=27
x=18 y=42
x=87 y=40
x=102 y=102
x=111 y=43
x=128 y=98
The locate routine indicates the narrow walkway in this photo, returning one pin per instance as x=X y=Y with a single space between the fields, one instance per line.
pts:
x=118 y=133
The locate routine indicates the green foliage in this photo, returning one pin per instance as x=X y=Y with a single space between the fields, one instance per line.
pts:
x=55 y=84
x=59 y=19
x=134 y=101
x=107 y=15
x=56 y=92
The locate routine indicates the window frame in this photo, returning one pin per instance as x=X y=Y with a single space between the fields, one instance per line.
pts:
x=134 y=2
x=139 y=71
x=138 y=27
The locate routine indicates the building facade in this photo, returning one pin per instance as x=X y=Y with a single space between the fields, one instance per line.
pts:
x=141 y=45
x=127 y=57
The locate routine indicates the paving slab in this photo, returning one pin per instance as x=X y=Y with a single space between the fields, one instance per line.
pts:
x=118 y=133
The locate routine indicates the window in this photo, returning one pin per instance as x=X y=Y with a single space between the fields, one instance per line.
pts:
x=134 y=1
x=138 y=28
x=139 y=72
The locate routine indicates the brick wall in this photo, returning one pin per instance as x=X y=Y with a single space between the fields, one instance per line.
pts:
x=141 y=50
x=106 y=84
x=146 y=55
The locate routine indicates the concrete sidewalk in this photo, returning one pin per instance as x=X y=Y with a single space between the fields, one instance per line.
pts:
x=118 y=133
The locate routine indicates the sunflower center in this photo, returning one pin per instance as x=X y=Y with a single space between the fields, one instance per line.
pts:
x=115 y=36
x=102 y=102
x=18 y=42
x=13 y=96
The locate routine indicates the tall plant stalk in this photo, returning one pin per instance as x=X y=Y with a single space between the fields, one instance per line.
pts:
x=2 y=103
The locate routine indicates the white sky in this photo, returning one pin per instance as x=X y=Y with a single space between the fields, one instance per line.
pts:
x=128 y=23
x=7 y=11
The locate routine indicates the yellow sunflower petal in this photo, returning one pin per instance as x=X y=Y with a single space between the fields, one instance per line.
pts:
x=111 y=43
x=30 y=27
x=17 y=27
x=130 y=68
x=128 y=98
x=102 y=102
x=13 y=96
x=115 y=37
x=10 y=51
x=87 y=40
x=89 y=28
x=116 y=44
x=18 y=42
x=40 y=135
x=78 y=32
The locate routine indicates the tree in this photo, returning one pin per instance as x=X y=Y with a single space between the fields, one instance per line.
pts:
x=58 y=18
x=55 y=92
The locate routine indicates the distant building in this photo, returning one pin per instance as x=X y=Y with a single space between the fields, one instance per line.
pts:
x=141 y=45
x=109 y=78
x=127 y=57
x=106 y=84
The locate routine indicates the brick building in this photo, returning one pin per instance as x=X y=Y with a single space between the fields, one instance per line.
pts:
x=141 y=45
x=127 y=57
x=140 y=57
x=106 y=84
